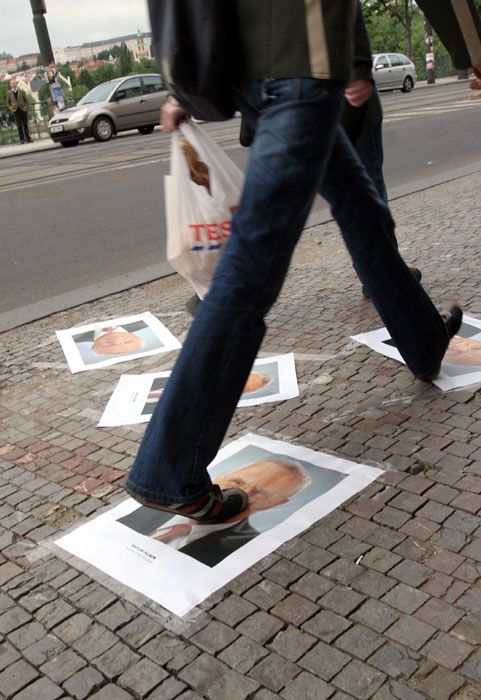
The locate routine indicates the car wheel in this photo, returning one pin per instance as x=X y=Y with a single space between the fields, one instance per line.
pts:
x=408 y=84
x=102 y=129
x=146 y=129
x=69 y=144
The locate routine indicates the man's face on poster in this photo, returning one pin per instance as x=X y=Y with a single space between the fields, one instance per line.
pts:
x=464 y=351
x=114 y=342
x=268 y=483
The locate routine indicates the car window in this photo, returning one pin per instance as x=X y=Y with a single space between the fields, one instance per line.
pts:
x=406 y=61
x=131 y=87
x=152 y=83
x=381 y=62
x=98 y=93
x=395 y=59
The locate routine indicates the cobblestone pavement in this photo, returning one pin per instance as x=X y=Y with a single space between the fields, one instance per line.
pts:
x=381 y=599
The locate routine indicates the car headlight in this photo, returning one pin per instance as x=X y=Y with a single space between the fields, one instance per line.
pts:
x=79 y=114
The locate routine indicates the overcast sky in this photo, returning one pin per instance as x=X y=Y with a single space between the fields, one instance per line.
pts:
x=70 y=22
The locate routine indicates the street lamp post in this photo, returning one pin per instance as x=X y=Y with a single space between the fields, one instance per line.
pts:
x=430 y=64
x=39 y=10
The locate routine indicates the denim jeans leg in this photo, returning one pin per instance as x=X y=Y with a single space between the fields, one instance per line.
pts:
x=369 y=143
x=415 y=325
x=295 y=132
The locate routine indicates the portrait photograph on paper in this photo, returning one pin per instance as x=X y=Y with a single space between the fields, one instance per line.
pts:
x=135 y=397
x=106 y=343
x=179 y=562
x=461 y=365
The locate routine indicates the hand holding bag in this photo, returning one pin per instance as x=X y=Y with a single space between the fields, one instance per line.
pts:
x=199 y=221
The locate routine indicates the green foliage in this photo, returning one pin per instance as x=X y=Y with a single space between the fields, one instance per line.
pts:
x=145 y=65
x=67 y=72
x=106 y=71
x=86 y=79
x=43 y=96
x=125 y=60
x=107 y=53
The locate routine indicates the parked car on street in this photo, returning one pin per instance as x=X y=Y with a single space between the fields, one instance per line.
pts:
x=393 y=71
x=131 y=102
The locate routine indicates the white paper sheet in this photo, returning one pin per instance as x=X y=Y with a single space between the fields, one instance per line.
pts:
x=136 y=395
x=461 y=365
x=106 y=343
x=290 y=488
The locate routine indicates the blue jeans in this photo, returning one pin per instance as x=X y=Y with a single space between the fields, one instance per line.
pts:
x=369 y=143
x=298 y=150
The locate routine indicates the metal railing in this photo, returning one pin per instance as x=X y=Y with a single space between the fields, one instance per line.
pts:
x=39 y=114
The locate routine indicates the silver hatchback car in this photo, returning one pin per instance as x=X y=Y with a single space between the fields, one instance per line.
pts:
x=131 y=102
x=393 y=71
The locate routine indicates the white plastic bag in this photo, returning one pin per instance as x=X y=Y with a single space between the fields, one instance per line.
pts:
x=198 y=223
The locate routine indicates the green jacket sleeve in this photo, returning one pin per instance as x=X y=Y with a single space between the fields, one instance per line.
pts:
x=458 y=25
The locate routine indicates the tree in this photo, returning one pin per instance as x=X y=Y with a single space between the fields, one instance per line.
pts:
x=67 y=72
x=145 y=65
x=125 y=60
x=104 y=72
x=86 y=79
x=403 y=11
x=107 y=53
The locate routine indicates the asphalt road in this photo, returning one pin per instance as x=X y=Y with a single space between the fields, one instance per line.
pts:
x=83 y=222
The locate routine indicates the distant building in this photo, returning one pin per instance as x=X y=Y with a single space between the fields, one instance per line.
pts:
x=30 y=59
x=138 y=43
x=7 y=62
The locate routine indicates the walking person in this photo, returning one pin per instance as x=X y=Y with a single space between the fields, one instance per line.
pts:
x=18 y=106
x=295 y=61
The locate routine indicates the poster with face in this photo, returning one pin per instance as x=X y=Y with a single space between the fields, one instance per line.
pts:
x=135 y=396
x=106 y=343
x=461 y=365
x=179 y=562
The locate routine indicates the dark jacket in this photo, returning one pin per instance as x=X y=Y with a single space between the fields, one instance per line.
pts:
x=314 y=38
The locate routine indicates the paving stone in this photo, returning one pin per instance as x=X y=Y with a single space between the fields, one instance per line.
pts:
x=373 y=583
x=73 y=628
x=324 y=661
x=182 y=659
x=285 y=572
x=112 y=692
x=307 y=687
x=12 y=619
x=139 y=631
x=343 y=571
x=412 y=549
x=441 y=684
x=438 y=614
x=96 y=601
x=162 y=648
x=445 y=561
x=243 y=654
x=118 y=614
x=391 y=517
x=232 y=610
x=380 y=559
x=349 y=547
x=326 y=625
x=7 y=655
x=26 y=635
x=459 y=520
x=448 y=651
x=261 y=627
x=42 y=689
x=274 y=672
x=311 y=586
x=203 y=672
x=83 y=683
x=63 y=666
x=456 y=590
x=43 y=650
x=360 y=680
x=409 y=502
x=266 y=594
x=472 y=667
x=95 y=642
x=470 y=600
x=342 y=600
x=15 y=677
x=359 y=641
x=449 y=539
x=294 y=609
x=291 y=643
x=376 y=615
x=142 y=677
x=468 y=630
x=116 y=660
x=322 y=536
x=215 y=637
x=232 y=686
x=398 y=691
x=168 y=690
x=56 y=612
x=420 y=528
x=411 y=632
x=405 y=598
x=435 y=512
x=392 y=661
x=411 y=572
x=314 y=558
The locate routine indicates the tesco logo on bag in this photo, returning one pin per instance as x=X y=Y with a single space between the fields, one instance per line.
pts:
x=207 y=235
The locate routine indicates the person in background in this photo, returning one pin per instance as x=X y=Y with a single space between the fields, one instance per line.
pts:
x=18 y=106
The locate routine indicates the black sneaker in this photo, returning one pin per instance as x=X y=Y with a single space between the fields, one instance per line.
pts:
x=217 y=506
x=453 y=320
x=415 y=271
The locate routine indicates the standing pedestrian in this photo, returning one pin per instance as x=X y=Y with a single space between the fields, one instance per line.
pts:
x=18 y=106
x=295 y=61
